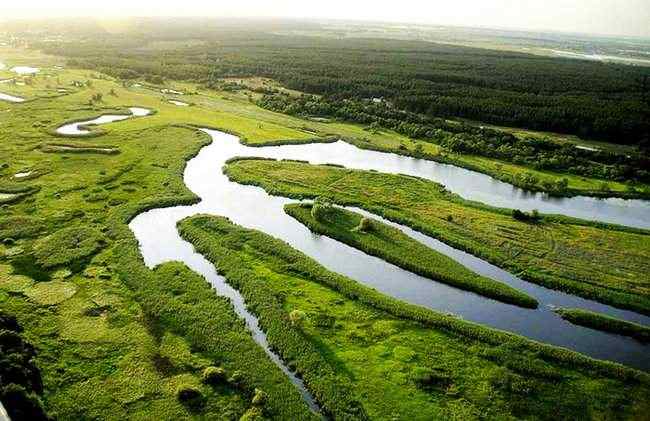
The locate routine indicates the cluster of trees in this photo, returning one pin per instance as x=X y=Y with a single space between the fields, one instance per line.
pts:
x=458 y=137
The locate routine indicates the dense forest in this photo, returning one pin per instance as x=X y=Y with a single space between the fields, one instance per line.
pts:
x=596 y=100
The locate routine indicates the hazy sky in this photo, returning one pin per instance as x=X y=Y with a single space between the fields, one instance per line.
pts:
x=616 y=17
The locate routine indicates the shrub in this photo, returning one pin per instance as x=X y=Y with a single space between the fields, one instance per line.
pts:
x=320 y=209
x=190 y=396
x=253 y=414
x=534 y=216
x=426 y=377
x=365 y=225
x=324 y=320
x=18 y=227
x=213 y=375
x=260 y=397
x=297 y=318
x=237 y=379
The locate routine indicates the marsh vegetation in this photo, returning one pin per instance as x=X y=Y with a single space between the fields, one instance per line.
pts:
x=88 y=329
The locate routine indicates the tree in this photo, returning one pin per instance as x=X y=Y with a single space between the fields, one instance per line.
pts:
x=297 y=318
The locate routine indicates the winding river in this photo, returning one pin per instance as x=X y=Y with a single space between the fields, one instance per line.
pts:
x=78 y=128
x=252 y=207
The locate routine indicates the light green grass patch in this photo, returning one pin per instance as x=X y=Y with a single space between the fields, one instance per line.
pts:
x=50 y=293
x=13 y=283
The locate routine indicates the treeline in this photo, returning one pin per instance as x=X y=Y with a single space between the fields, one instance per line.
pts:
x=596 y=100
x=458 y=137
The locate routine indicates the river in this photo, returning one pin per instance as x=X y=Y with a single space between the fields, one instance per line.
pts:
x=252 y=207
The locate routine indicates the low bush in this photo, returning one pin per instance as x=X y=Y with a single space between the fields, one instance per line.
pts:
x=259 y=398
x=20 y=226
x=213 y=375
x=365 y=225
x=190 y=396
x=426 y=377
x=20 y=379
x=297 y=318
x=253 y=414
x=320 y=209
x=526 y=217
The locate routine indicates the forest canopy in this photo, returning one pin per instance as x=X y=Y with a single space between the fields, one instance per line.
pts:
x=591 y=99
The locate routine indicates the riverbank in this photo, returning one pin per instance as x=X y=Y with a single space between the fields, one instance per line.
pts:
x=389 y=350
x=536 y=251
x=605 y=323
x=395 y=247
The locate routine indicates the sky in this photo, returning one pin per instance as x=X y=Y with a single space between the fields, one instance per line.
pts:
x=606 y=17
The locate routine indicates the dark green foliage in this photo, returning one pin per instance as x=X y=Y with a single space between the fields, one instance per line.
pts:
x=68 y=245
x=190 y=396
x=526 y=217
x=605 y=323
x=17 y=227
x=213 y=375
x=22 y=405
x=396 y=247
x=20 y=379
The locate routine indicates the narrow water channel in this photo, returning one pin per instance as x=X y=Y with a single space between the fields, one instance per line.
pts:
x=79 y=127
x=252 y=207
x=11 y=98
